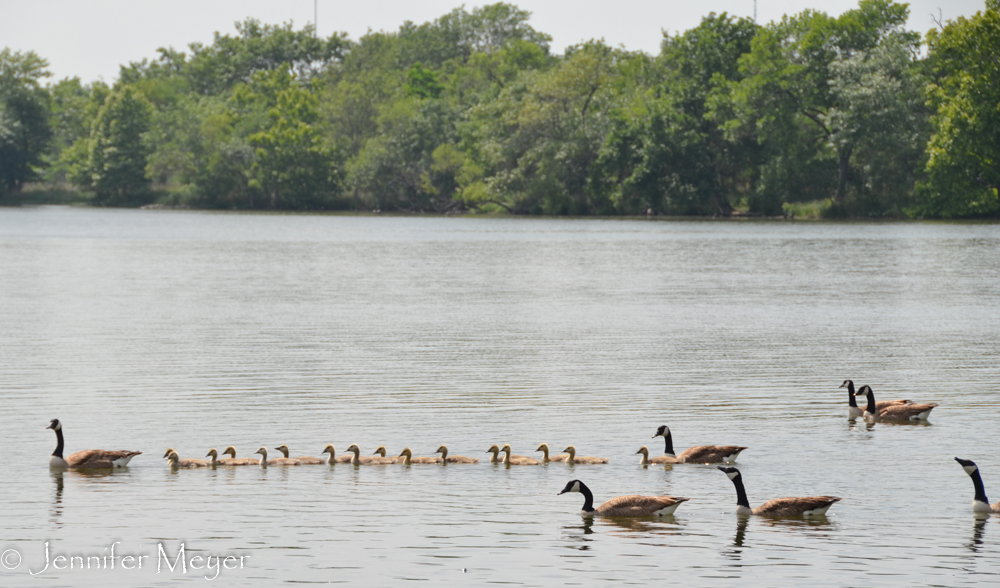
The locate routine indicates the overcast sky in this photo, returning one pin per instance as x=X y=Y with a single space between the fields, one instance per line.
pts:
x=90 y=39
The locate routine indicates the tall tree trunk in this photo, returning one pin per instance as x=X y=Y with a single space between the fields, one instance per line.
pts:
x=845 y=160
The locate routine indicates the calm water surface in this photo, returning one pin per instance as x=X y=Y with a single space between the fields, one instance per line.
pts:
x=148 y=329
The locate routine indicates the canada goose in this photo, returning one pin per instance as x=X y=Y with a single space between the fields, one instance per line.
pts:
x=239 y=461
x=896 y=412
x=544 y=448
x=214 y=460
x=573 y=459
x=176 y=462
x=980 y=503
x=625 y=506
x=854 y=411
x=454 y=458
x=381 y=452
x=88 y=458
x=280 y=461
x=510 y=460
x=302 y=459
x=779 y=507
x=356 y=459
x=699 y=454
x=495 y=450
x=659 y=459
x=333 y=455
x=408 y=459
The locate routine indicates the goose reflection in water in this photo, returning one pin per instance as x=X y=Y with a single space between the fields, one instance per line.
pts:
x=665 y=525
x=580 y=542
x=736 y=551
x=978 y=530
x=57 y=505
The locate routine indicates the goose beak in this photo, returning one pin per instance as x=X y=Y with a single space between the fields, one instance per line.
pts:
x=655 y=436
x=563 y=492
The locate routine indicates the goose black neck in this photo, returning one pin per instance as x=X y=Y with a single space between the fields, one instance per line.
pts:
x=59 y=446
x=871 y=402
x=741 y=493
x=668 y=443
x=588 y=503
x=850 y=395
x=977 y=481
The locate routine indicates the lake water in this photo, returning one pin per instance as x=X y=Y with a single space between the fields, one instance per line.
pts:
x=147 y=329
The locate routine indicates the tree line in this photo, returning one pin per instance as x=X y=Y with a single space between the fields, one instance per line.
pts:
x=840 y=116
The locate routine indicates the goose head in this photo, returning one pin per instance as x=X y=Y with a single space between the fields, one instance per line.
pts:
x=406 y=453
x=661 y=431
x=506 y=449
x=544 y=448
x=846 y=384
x=381 y=451
x=571 y=450
x=494 y=449
x=733 y=473
x=643 y=450
x=55 y=425
x=172 y=457
x=213 y=453
x=329 y=449
x=230 y=451
x=969 y=466
x=443 y=451
x=572 y=486
x=354 y=449
x=283 y=449
x=167 y=453
x=262 y=451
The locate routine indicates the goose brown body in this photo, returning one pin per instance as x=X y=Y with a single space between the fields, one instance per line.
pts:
x=333 y=459
x=855 y=411
x=699 y=454
x=237 y=461
x=804 y=506
x=381 y=452
x=356 y=458
x=88 y=458
x=897 y=412
x=443 y=450
x=634 y=505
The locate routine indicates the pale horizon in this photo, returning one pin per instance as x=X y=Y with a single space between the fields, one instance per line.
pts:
x=91 y=40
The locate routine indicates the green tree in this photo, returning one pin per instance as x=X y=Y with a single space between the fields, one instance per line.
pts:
x=963 y=166
x=24 y=121
x=118 y=152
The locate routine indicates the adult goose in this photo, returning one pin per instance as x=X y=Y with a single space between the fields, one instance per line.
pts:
x=896 y=412
x=302 y=459
x=699 y=454
x=175 y=461
x=855 y=411
x=807 y=506
x=333 y=455
x=573 y=459
x=88 y=458
x=443 y=450
x=407 y=458
x=278 y=461
x=544 y=448
x=625 y=506
x=980 y=503
x=659 y=459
